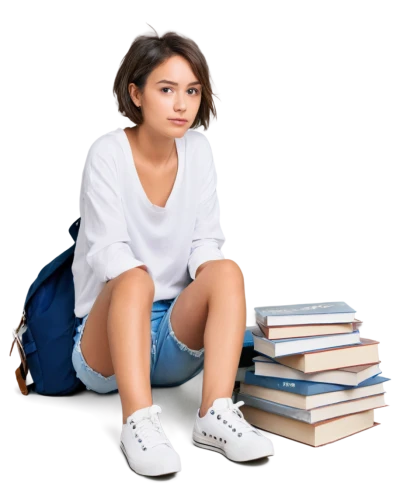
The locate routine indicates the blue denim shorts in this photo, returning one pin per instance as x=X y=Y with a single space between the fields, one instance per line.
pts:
x=172 y=362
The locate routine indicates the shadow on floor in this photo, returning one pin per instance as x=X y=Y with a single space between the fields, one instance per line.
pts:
x=179 y=404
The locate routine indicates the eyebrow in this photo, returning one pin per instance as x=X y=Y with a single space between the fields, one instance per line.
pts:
x=174 y=83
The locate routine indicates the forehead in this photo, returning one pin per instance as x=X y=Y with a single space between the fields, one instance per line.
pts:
x=175 y=68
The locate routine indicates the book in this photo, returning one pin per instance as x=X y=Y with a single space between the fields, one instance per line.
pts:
x=284 y=347
x=300 y=314
x=314 y=415
x=318 y=434
x=336 y=357
x=248 y=339
x=296 y=331
x=309 y=402
x=303 y=386
x=351 y=375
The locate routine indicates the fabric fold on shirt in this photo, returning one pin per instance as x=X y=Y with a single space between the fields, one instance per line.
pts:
x=105 y=228
x=208 y=237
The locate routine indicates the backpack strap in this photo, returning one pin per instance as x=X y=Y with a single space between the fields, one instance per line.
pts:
x=21 y=373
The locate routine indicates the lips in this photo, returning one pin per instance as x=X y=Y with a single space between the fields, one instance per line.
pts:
x=178 y=120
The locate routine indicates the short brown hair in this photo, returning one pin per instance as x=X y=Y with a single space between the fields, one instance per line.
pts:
x=147 y=52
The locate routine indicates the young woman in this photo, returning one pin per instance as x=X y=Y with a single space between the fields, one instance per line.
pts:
x=154 y=296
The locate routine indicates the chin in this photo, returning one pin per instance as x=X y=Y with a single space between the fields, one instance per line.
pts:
x=178 y=133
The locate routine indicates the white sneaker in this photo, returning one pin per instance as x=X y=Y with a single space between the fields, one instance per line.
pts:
x=145 y=445
x=225 y=430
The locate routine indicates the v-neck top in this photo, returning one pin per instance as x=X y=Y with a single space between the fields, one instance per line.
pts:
x=121 y=228
x=180 y=149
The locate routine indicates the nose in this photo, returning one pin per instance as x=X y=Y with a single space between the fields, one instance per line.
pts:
x=180 y=103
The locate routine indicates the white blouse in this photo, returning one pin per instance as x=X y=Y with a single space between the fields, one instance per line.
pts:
x=121 y=229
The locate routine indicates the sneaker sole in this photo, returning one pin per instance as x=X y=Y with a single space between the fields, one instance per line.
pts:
x=171 y=476
x=138 y=470
x=256 y=463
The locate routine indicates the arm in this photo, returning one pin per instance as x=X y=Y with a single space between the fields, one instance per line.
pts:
x=208 y=237
x=109 y=254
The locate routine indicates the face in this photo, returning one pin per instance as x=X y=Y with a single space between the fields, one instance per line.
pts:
x=171 y=91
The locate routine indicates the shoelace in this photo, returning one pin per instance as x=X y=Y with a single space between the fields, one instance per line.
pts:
x=149 y=428
x=240 y=423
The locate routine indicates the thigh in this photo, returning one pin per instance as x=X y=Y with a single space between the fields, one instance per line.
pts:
x=94 y=344
x=189 y=315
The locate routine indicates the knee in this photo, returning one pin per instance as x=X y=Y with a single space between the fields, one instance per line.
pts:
x=228 y=271
x=135 y=281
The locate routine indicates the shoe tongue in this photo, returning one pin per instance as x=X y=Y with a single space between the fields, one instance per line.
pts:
x=221 y=403
x=143 y=413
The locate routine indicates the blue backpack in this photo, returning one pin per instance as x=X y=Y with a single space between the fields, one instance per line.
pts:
x=45 y=334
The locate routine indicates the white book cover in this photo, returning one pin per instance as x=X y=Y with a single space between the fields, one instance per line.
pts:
x=287 y=347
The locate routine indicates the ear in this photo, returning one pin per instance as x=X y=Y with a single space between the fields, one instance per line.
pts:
x=134 y=93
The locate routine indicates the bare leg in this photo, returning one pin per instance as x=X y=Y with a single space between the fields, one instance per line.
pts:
x=212 y=310
x=223 y=336
x=117 y=337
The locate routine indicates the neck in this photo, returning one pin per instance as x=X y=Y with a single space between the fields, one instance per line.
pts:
x=151 y=147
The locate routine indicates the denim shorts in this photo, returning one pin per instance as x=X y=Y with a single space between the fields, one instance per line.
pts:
x=172 y=362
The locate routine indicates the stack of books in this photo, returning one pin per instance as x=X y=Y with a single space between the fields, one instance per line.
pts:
x=314 y=379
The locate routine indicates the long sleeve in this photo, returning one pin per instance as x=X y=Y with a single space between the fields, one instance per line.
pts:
x=208 y=237
x=108 y=254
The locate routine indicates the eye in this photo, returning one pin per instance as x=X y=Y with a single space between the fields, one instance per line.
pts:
x=169 y=88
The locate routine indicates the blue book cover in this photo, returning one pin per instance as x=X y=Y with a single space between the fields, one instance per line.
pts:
x=301 y=309
x=304 y=387
x=248 y=339
x=261 y=312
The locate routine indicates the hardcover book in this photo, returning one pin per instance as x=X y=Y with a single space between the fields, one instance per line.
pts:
x=296 y=331
x=318 y=434
x=284 y=347
x=304 y=387
x=309 y=402
x=314 y=415
x=300 y=314
x=351 y=375
x=337 y=357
